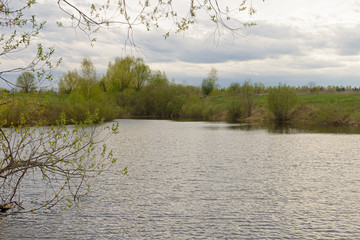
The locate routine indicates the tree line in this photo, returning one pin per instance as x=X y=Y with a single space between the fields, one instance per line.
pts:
x=131 y=89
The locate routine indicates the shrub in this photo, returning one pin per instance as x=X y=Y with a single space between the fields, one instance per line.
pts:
x=331 y=113
x=247 y=95
x=233 y=110
x=280 y=101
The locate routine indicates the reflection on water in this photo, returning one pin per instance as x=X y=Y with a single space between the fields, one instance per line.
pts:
x=296 y=128
x=201 y=180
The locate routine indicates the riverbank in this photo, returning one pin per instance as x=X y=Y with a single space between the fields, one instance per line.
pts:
x=324 y=109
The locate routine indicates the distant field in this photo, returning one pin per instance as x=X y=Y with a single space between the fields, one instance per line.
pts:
x=348 y=101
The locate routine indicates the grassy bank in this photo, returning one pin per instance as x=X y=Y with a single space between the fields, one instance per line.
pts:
x=177 y=102
x=331 y=109
x=326 y=109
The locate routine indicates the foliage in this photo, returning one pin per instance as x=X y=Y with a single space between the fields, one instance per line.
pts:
x=68 y=82
x=332 y=114
x=280 y=101
x=126 y=73
x=247 y=94
x=64 y=157
x=88 y=78
x=241 y=100
x=209 y=83
x=203 y=108
x=21 y=110
x=85 y=84
x=26 y=81
x=234 y=109
x=18 y=30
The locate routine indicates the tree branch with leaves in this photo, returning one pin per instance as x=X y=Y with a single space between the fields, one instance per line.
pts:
x=64 y=159
x=19 y=28
x=169 y=16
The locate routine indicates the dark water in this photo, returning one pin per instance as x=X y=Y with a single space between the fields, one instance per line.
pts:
x=199 y=180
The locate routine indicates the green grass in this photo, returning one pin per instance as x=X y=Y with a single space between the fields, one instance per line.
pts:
x=348 y=101
x=260 y=100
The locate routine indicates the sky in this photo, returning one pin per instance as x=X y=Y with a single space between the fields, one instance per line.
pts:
x=295 y=42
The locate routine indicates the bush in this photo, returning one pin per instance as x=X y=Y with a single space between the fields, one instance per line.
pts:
x=192 y=108
x=211 y=111
x=331 y=113
x=234 y=110
x=280 y=101
x=247 y=95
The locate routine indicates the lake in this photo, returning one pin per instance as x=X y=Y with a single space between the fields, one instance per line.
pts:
x=213 y=180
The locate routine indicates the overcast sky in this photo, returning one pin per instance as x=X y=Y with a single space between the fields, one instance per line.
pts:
x=295 y=42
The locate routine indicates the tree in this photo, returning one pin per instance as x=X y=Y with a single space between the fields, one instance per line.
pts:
x=69 y=82
x=85 y=83
x=127 y=73
x=26 y=81
x=88 y=77
x=158 y=79
x=280 y=101
x=209 y=83
x=141 y=73
x=119 y=75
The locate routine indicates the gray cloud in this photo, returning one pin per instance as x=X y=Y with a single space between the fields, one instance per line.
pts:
x=270 y=52
x=255 y=45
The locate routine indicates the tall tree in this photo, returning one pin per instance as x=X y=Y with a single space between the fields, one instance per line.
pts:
x=88 y=76
x=209 y=83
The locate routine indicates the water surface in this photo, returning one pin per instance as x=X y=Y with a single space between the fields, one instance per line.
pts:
x=202 y=180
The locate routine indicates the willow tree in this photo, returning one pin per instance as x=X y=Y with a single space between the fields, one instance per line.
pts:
x=127 y=73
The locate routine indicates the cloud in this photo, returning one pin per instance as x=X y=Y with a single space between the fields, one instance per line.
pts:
x=292 y=42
